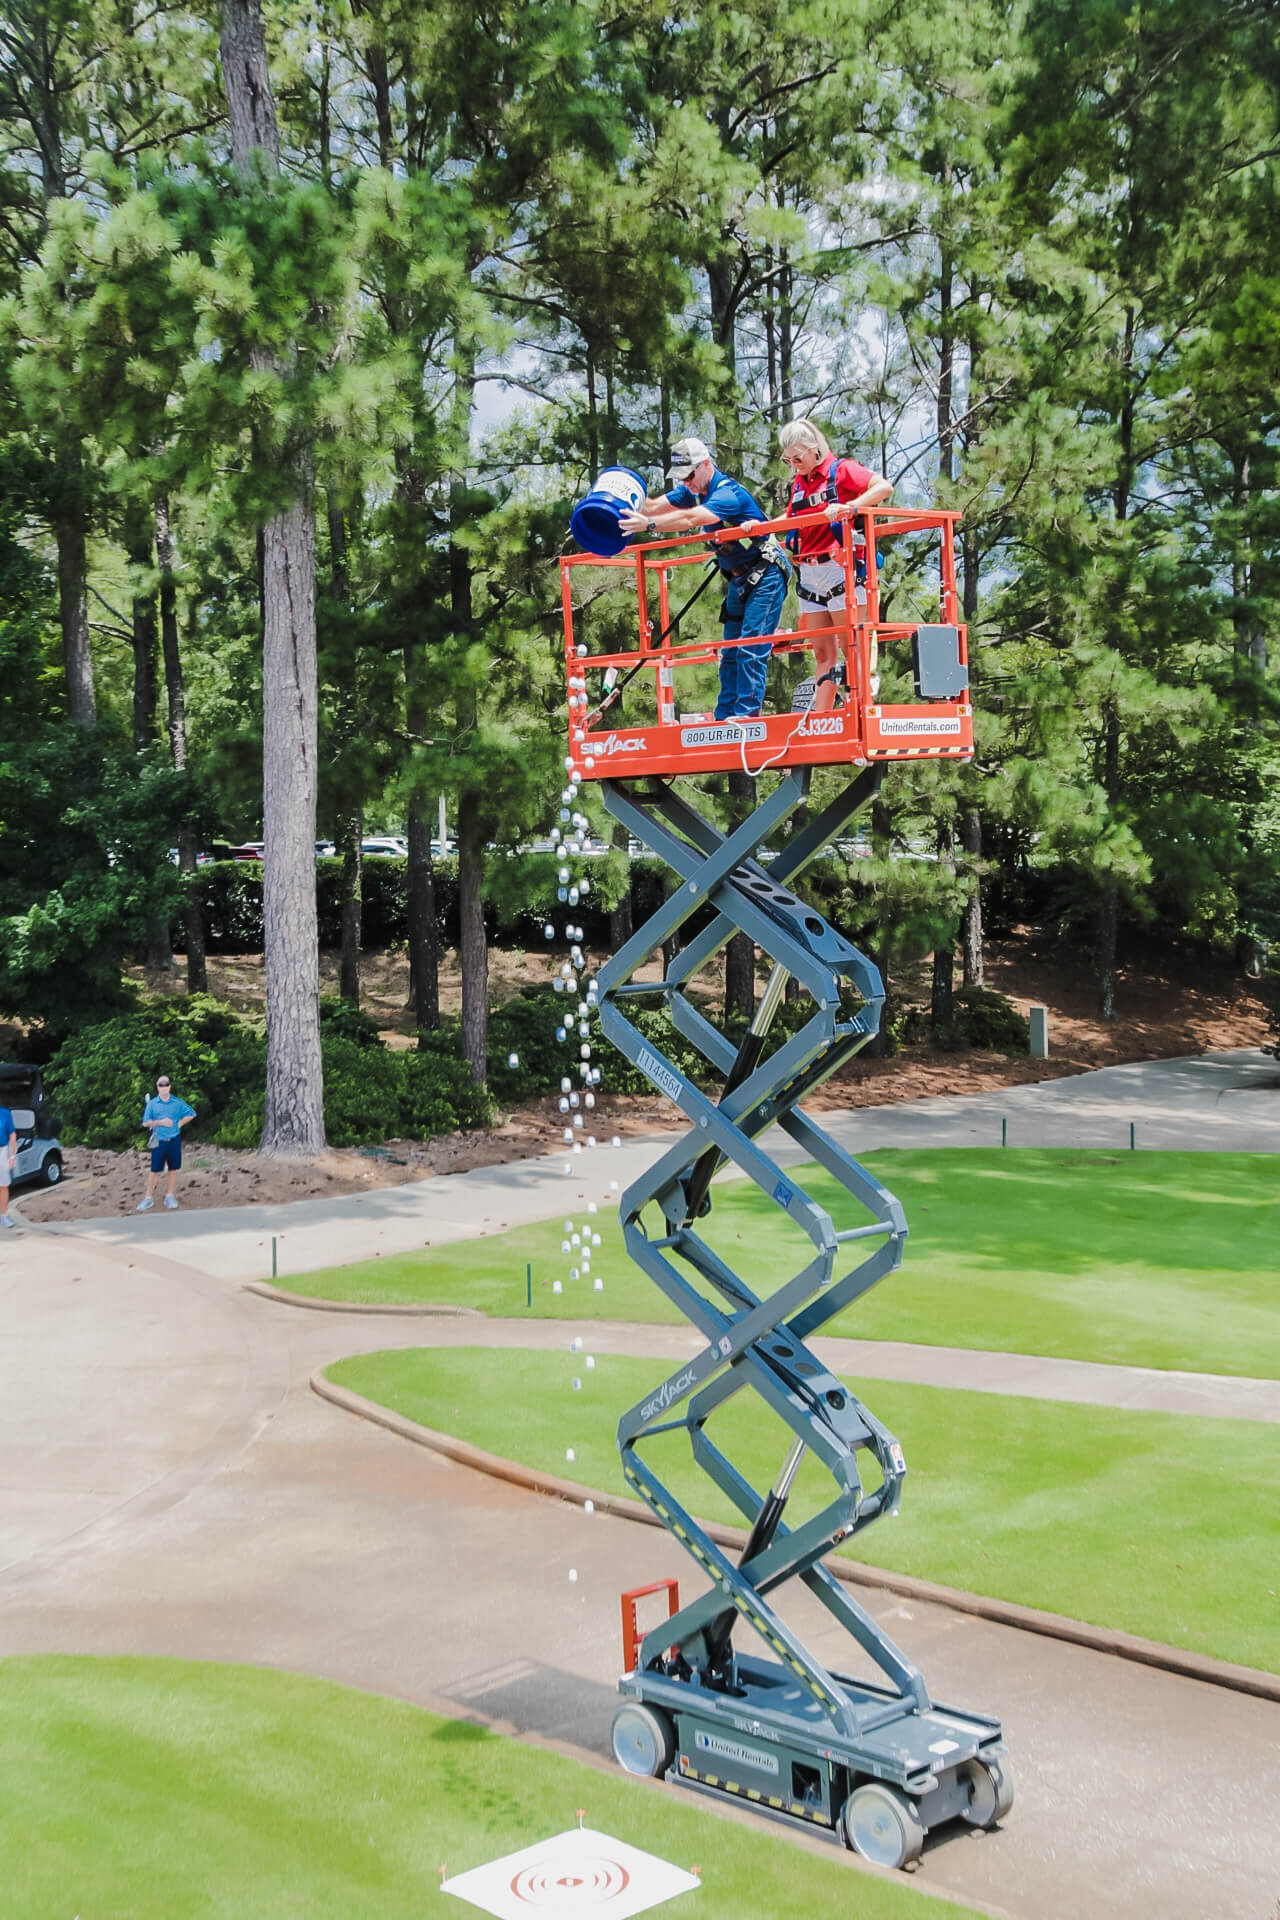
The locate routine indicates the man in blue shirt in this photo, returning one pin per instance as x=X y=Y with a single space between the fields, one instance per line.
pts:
x=164 y=1116
x=8 y=1154
x=756 y=570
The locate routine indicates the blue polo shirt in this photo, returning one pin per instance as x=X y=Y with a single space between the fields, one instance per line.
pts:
x=728 y=500
x=163 y=1116
x=6 y=1128
x=732 y=504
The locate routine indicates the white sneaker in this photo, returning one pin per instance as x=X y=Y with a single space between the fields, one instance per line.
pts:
x=145 y=1206
x=7 y=1220
x=171 y=1200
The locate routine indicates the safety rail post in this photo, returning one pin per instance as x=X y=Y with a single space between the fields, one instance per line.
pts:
x=665 y=677
x=630 y=1623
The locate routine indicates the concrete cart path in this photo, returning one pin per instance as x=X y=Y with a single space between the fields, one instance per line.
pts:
x=171 y=1486
x=1227 y=1102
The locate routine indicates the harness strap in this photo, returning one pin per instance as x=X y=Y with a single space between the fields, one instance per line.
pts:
x=817 y=599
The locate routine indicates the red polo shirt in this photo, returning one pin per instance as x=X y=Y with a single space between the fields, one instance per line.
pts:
x=819 y=542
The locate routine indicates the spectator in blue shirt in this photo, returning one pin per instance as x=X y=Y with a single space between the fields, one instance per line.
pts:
x=756 y=570
x=164 y=1116
x=8 y=1154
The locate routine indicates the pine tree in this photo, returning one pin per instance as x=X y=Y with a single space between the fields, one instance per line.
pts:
x=295 y=1085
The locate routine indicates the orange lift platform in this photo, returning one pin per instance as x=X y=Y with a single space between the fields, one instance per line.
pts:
x=657 y=668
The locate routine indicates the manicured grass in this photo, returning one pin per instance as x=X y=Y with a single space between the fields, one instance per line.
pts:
x=1145 y=1259
x=1160 y=1525
x=163 y=1790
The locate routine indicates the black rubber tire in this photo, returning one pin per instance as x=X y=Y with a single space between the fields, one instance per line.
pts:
x=51 y=1170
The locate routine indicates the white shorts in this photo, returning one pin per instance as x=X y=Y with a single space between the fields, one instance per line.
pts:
x=821 y=577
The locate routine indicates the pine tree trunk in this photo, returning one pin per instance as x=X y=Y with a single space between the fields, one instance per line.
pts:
x=143 y=622
x=350 y=832
x=73 y=592
x=1108 y=916
x=424 y=938
x=473 y=945
x=946 y=331
x=38 y=91
x=349 y=824
x=176 y=702
x=295 y=1086
x=621 y=920
x=941 y=998
x=971 y=919
x=878 y=1045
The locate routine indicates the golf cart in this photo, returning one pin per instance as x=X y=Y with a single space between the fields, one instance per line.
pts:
x=39 y=1149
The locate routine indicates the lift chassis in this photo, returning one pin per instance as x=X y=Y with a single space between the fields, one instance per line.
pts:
x=873 y=1761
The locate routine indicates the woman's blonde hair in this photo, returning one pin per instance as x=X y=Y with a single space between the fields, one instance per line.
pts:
x=803 y=433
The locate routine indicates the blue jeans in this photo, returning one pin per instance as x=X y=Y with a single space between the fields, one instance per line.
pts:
x=744 y=670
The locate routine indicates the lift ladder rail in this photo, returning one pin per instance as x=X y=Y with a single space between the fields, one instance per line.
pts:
x=751 y=1343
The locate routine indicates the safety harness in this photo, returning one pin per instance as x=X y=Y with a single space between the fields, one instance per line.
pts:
x=800 y=499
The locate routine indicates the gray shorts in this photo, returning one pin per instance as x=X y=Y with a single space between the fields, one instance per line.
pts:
x=819 y=578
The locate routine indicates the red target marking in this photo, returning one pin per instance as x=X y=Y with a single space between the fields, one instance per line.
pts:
x=579 y=1888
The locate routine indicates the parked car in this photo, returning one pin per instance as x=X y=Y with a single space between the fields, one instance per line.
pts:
x=247 y=850
x=325 y=849
x=385 y=846
x=39 y=1148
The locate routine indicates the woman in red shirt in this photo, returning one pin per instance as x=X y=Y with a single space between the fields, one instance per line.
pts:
x=806 y=451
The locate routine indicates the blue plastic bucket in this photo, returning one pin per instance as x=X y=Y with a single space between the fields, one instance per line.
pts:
x=595 y=520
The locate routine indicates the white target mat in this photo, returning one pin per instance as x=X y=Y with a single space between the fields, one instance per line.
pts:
x=579 y=1872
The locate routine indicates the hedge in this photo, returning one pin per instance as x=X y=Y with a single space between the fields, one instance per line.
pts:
x=99 y=1080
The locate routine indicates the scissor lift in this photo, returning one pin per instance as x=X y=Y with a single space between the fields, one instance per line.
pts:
x=870 y=1759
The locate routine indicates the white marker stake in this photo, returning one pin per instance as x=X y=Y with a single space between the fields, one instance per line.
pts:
x=579 y=1872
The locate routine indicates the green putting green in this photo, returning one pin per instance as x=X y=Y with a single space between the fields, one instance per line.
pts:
x=1159 y=1525
x=167 y=1790
x=1143 y=1259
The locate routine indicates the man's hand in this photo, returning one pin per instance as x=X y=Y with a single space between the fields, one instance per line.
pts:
x=632 y=522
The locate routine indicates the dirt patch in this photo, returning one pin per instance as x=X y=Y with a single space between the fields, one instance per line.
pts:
x=1169 y=1003
x=238 y=979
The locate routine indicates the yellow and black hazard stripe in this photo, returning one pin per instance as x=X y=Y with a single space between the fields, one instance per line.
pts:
x=795 y=1808
x=919 y=753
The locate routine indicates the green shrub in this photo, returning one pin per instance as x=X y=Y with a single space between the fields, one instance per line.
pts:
x=361 y=1092
x=987 y=1019
x=339 y=1019
x=437 y=1092
x=240 y=1125
x=526 y=1027
x=101 y=1077
x=980 y=1018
